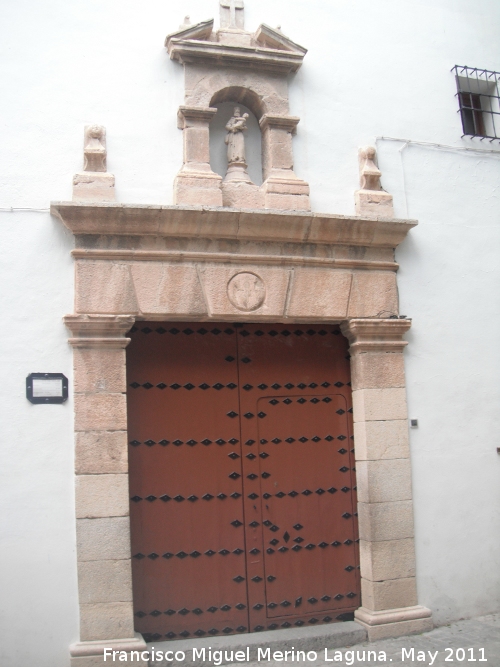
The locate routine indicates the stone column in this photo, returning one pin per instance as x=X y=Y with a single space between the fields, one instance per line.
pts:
x=196 y=183
x=102 y=498
x=282 y=189
x=385 y=505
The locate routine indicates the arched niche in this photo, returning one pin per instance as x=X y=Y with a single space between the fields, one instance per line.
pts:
x=253 y=140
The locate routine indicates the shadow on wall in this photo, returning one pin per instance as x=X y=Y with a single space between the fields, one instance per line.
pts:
x=253 y=141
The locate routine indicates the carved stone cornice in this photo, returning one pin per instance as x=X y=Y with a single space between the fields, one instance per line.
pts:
x=376 y=335
x=227 y=223
x=282 y=122
x=194 y=114
x=99 y=330
x=254 y=57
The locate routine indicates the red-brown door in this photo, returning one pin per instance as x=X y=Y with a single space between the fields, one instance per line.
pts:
x=242 y=478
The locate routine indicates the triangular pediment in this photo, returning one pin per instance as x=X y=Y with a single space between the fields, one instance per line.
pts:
x=201 y=32
x=272 y=38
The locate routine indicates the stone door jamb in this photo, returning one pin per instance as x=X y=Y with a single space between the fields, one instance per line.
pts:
x=385 y=507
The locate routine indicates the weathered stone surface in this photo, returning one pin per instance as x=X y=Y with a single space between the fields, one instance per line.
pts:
x=394 y=622
x=393 y=559
x=91 y=653
x=272 y=285
x=99 y=452
x=172 y=289
x=399 y=629
x=104 y=287
x=265 y=226
x=376 y=204
x=106 y=620
x=94 y=187
x=197 y=189
x=238 y=194
x=378 y=440
x=100 y=412
x=105 y=581
x=101 y=496
x=373 y=293
x=385 y=521
x=319 y=293
x=379 y=404
x=383 y=481
x=390 y=594
x=377 y=369
x=99 y=370
x=103 y=539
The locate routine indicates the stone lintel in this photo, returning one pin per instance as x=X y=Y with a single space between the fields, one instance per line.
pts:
x=376 y=335
x=99 y=330
x=225 y=223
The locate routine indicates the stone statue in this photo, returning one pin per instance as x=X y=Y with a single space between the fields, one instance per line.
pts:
x=94 y=150
x=235 y=140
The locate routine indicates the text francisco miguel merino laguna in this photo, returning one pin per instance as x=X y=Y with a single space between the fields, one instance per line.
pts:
x=223 y=657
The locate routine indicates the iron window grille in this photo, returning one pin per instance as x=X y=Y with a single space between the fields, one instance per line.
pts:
x=479 y=101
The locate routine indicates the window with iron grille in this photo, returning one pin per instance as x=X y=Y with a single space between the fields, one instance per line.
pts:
x=479 y=101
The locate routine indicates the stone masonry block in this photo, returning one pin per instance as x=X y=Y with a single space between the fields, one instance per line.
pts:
x=391 y=594
x=168 y=288
x=100 y=412
x=196 y=145
x=394 y=559
x=379 y=404
x=99 y=370
x=101 y=496
x=106 y=620
x=376 y=440
x=287 y=202
x=385 y=521
x=103 y=539
x=100 y=452
x=105 y=581
x=104 y=287
x=377 y=369
x=372 y=293
x=320 y=293
x=384 y=481
x=399 y=629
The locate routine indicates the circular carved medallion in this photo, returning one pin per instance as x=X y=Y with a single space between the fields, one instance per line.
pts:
x=246 y=291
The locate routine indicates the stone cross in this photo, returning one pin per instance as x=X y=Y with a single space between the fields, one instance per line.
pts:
x=232 y=14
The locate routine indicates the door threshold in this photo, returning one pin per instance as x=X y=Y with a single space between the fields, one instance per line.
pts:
x=331 y=636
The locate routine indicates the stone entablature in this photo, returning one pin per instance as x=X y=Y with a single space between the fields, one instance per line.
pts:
x=173 y=263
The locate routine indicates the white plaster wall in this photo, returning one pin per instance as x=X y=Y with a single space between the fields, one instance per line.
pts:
x=373 y=69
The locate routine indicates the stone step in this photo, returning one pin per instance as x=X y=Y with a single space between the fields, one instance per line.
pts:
x=335 y=635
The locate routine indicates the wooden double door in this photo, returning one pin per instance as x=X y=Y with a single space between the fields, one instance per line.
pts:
x=242 y=479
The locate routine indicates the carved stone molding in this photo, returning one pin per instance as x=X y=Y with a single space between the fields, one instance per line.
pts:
x=376 y=335
x=236 y=224
x=99 y=330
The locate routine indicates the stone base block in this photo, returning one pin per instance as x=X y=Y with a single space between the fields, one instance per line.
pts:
x=394 y=622
x=91 y=654
x=374 y=203
x=238 y=194
x=94 y=186
x=289 y=194
x=198 y=189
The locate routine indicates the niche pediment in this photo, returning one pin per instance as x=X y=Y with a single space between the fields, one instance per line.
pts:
x=267 y=49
